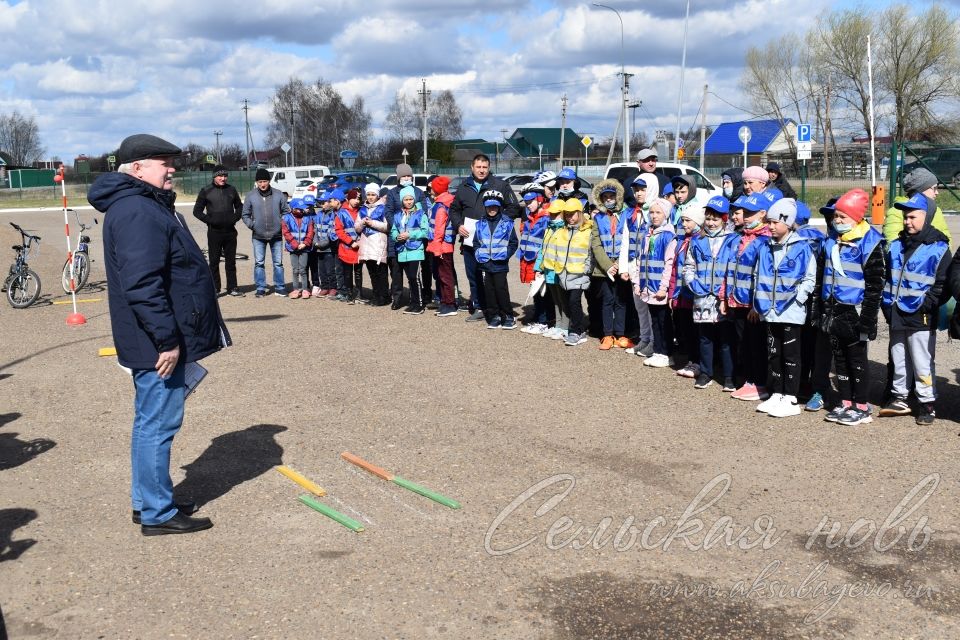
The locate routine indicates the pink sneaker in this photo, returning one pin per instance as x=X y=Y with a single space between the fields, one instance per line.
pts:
x=332 y=293
x=294 y=294
x=323 y=292
x=305 y=294
x=747 y=392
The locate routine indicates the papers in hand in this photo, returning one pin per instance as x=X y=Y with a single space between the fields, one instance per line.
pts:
x=537 y=286
x=471 y=225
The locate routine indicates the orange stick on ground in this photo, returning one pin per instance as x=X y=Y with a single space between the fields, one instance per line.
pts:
x=363 y=464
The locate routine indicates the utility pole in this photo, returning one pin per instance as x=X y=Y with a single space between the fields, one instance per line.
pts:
x=683 y=67
x=626 y=121
x=503 y=134
x=424 y=94
x=249 y=137
x=827 y=134
x=563 y=127
x=293 y=139
x=703 y=130
x=218 y=133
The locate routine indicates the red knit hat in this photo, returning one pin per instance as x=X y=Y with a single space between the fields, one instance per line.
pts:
x=854 y=204
x=353 y=193
x=440 y=184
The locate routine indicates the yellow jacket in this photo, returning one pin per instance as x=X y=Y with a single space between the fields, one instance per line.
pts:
x=568 y=249
x=893 y=222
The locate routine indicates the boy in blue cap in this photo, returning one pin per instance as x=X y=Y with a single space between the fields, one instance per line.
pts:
x=494 y=241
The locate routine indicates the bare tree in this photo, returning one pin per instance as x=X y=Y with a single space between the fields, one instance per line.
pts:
x=401 y=122
x=404 y=119
x=20 y=139
x=919 y=65
x=444 y=116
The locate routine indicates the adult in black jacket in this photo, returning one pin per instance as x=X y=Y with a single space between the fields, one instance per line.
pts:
x=163 y=312
x=468 y=204
x=777 y=181
x=219 y=207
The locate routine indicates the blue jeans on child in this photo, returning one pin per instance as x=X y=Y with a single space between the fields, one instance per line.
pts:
x=157 y=416
x=276 y=257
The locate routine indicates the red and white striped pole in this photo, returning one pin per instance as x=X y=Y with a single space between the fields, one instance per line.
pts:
x=75 y=318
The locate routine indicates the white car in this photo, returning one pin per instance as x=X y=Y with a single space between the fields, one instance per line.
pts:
x=627 y=171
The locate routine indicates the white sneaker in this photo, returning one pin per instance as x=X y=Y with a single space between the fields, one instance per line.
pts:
x=787 y=406
x=770 y=403
x=657 y=360
x=559 y=333
x=534 y=329
x=550 y=332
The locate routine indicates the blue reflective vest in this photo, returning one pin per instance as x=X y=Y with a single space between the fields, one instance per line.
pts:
x=379 y=214
x=298 y=228
x=812 y=235
x=712 y=270
x=531 y=239
x=908 y=283
x=680 y=290
x=740 y=276
x=653 y=260
x=413 y=222
x=850 y=287
x=495 y=247
x=777 y=286
x=448 y=235
x=633 y=220
x=323 y=222
x=607 y=230
x=347 y=223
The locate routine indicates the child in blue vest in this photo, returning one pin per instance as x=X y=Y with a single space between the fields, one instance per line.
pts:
x=297 y=230
x=813 y=235
x=409 y=232
x=335 y=200
x=651 y=280
x=323 y=244
x=706 y=272
x=850 y=283
x=917 y=265
x=494 y=241
x=313 y=262
x=785 y=277
x=532 y=230
x=605 y=245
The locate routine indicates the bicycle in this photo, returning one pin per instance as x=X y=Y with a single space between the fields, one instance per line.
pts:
x=81 y=259
x=22 y=283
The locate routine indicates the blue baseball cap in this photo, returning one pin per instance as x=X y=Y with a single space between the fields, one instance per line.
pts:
x=918 y=201
x=609 y=188
x=803 y=213
x=492 y=202
x=754 y=203
x=297 y=203
x=337 y=194
x=774 y=191
x=771 y=195
x=323 y=196
x=309 y=199
x=719 y=204
x=830 y=208
x=531 y=195
x=567 y=174
x=738 y=203
x=667 y=189
x=640 y=180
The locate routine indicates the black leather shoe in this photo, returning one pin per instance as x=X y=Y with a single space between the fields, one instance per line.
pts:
x=179 y=523
x=186 y=508
x=396 y=304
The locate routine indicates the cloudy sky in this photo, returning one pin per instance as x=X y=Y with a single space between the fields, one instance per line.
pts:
x=93 y=71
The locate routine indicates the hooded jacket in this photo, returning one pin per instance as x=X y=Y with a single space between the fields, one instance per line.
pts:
x=262 y=212
x=441 y=206
x=686 y=204
x=601 y=261
x=160 y=290
x=926 y=317
x=736 y=177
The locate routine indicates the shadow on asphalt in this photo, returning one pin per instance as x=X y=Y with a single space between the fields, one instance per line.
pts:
x=48 y=349
x=10 y=521
x=3 y=627
x=268 y=316
x=230 y=460
x=604 y=605
x=15 y=452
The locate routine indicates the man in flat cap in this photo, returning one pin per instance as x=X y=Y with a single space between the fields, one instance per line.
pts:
x=163 y=312
x=219 y=207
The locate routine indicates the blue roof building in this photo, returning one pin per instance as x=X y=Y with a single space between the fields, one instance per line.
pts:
x=723 y=146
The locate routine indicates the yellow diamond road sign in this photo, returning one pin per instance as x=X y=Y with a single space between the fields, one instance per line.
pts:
x=586 y=141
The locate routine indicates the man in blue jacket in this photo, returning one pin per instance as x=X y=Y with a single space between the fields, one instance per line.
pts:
x=163 y=312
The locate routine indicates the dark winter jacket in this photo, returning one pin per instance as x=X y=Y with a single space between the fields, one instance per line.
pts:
x=843 y=320
x=783 y=185
x=736 y=177
x=161 y=293
x=953 y=289
x=468 y=203
x=927 y=316
x=218 y=207
x=262 y=212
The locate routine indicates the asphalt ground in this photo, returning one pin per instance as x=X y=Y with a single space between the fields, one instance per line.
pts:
x=533 y=438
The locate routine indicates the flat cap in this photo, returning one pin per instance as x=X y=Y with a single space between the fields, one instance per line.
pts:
x=141 y=146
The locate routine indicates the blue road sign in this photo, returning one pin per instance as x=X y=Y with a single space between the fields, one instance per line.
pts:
x=803 y=133
x=349 y=154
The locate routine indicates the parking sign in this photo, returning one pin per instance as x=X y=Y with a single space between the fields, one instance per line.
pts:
x=803 y=133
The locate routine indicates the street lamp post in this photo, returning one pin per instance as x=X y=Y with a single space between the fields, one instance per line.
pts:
x=623 y=86
x=683 y=66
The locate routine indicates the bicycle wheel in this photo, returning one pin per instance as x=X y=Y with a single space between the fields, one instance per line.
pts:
x=81 y=272
x=23 y=289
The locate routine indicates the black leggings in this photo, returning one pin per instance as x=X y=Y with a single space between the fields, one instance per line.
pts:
x=496 y=293
x=412 y=269
x=853 y=370
x=751 y=344
x=662 y=328
x=783 y=342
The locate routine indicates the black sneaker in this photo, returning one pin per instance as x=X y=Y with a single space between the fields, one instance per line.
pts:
x=260 y=293
x=413 y=310
x=897 y=406
x=396 y=304
x=926 y=414
x=835 y=414
x=854 y=416
x=729 y=386
x=703 y=381
x=236 y=293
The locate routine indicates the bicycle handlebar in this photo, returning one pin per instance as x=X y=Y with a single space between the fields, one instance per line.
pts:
x=24 y=233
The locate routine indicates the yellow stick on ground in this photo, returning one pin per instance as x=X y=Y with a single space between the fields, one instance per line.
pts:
x=107 y=351
x=309 y=485
x=84 y=300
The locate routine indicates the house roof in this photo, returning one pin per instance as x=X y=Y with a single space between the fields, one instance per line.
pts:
x=726 y=138
x=526 y=141
x=478 y=144
x=267 y=155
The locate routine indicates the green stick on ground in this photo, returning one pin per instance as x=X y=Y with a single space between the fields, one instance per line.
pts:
x=436 y=497
x=333 y=514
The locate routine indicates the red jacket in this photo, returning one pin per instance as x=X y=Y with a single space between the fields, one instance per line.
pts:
x=436 y=245
x=345 y=251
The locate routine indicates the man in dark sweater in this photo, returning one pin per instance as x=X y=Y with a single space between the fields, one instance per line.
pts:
x=468 y=205
x=218 y=206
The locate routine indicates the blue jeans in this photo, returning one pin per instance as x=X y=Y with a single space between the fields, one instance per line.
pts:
x=157 y=416
x=477 y=297
x=276 y=256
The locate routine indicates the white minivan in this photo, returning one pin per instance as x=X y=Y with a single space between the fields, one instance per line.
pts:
x=286 y=179
x=627 y=171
